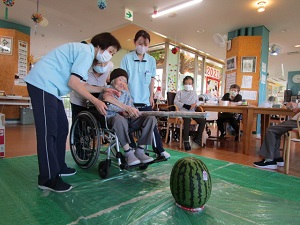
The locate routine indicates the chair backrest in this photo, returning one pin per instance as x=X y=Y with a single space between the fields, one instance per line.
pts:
x=170 y=100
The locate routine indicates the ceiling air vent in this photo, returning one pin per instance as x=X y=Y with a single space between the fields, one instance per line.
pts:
x=293 y=53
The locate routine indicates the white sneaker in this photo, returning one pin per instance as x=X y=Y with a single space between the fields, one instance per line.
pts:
x=131 y=159
x=140 y=154
x=165 y=154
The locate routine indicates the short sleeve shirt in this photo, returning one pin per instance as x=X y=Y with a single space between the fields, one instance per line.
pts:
x=140 y=74
x=53 y=71
x=92 y=80
x=125 y=98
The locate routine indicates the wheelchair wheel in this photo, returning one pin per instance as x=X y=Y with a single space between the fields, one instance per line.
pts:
x=85 y=140
x=103 y=169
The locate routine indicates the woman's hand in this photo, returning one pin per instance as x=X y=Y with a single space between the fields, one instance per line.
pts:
x=291 y=105
x=101 y=107
x=193 y=106
x=112 y=91
x=132 y=112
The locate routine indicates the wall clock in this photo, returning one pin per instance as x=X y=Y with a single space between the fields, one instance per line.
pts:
x=296 y=78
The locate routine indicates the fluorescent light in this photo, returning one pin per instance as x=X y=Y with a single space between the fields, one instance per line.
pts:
x=178 y=7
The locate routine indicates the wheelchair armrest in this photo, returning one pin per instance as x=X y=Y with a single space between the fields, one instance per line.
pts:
x=89 y=104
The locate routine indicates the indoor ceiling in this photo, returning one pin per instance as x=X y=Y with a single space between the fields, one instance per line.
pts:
x=76 y=20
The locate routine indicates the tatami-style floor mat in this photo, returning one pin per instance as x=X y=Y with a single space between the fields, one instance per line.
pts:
x=240 y=195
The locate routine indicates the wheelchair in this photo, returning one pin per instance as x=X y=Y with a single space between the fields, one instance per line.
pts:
x=90 y=136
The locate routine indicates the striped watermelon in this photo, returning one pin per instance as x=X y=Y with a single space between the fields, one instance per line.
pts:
x=190 y=183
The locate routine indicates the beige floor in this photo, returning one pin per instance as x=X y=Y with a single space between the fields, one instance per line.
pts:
x=20 y=141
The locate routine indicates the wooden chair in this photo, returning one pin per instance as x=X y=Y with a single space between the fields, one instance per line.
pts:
x=287 y=145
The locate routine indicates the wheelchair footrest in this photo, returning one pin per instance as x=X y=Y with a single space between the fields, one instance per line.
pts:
x=158 y=159
x=125 y=166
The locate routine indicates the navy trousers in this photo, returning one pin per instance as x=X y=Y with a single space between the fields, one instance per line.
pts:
x=51 y=133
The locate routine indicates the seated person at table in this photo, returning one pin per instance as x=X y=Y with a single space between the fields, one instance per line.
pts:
x=122 y=116
x=269 y=149
x=232 y=118
x=98 y=75
x=187 y=100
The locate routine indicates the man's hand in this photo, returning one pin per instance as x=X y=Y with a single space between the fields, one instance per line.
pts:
x=101 y=107
x=112 y=91
x=132 y=112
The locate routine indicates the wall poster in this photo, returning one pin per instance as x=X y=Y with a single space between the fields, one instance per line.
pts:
x=22 y=63
x=6 y=45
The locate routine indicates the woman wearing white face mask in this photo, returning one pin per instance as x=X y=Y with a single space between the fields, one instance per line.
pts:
x=98 y=75
x=53 y=76
x=187 y=100
x=141 y=70
x=232 y=118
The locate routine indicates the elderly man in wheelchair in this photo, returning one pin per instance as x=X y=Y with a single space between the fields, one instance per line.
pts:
x=121 y=119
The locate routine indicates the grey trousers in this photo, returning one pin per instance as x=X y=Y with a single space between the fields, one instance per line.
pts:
x=122 y=126
x=270 y=147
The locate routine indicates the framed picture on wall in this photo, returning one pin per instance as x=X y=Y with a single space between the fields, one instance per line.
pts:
x=231 y=63
x=6 y=45
x=248 y=64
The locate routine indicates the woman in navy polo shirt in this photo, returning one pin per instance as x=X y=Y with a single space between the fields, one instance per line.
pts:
x=56 y=74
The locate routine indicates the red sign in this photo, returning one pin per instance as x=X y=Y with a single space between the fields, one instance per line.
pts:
x=212 y=72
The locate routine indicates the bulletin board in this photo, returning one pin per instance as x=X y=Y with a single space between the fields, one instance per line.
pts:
x=12 y=66
x=247 y=50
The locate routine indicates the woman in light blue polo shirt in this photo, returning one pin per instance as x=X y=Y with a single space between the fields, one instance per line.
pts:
x=141 y=70
x=56 y=74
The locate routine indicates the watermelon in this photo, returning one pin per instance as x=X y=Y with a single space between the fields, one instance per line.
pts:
x=190 y=183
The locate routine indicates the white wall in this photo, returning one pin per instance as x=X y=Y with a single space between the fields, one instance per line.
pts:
x=117 y=58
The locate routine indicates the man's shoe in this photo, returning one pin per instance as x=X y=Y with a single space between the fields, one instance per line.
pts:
x=56 y=185
x=199 y=142
x=165 y=154
x=68 y=172
x=187 y=146
x=140 y=154
x=272 y=165
x=279 y=161
x=131 y=159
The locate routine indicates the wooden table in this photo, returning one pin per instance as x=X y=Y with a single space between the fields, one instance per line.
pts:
x=15 y=100
x=266 y=114
x=249 y=113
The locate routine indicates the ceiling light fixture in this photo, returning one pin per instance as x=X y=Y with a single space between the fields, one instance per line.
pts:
x=261 y=6
x=175 y=8
x=297 y=46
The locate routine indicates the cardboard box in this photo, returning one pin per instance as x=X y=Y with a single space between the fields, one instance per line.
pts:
x=2 y=135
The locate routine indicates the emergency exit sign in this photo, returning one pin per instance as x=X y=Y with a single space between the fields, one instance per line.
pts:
x=128 y=14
